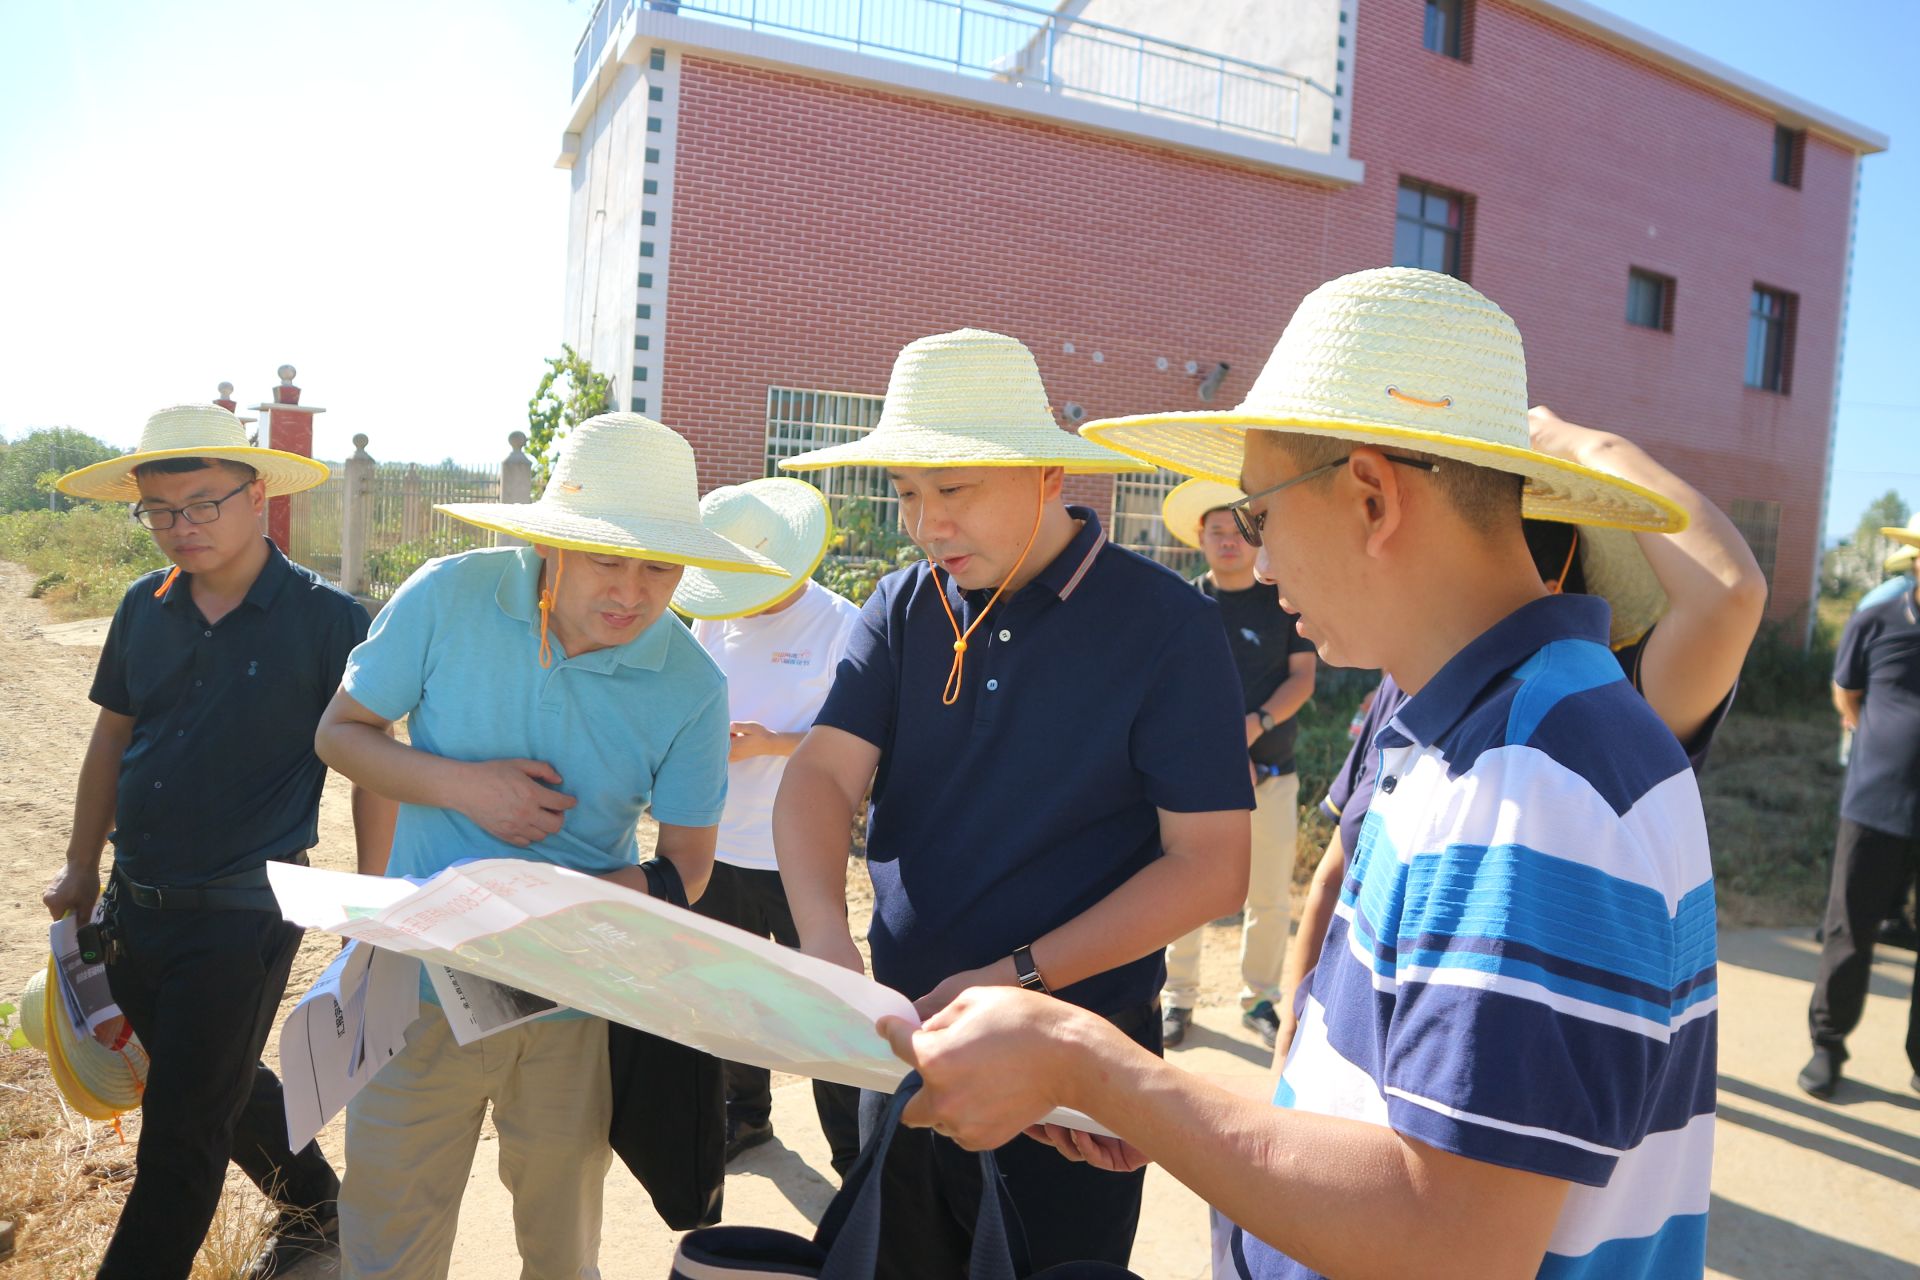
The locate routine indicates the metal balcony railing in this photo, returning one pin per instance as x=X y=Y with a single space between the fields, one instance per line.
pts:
x=1013 y=42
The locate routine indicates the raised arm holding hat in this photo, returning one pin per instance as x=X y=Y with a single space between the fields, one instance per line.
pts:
x=549 y=700
x=1505 y=1064
x=1052 y=730
x=201 y=770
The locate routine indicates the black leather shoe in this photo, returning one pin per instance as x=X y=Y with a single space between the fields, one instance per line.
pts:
x=1821 y=1076
x=1173 y=1026
x=742 y=1136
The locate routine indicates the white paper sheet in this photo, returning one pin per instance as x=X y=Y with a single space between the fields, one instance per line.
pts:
x=84 y=992
x=477 y=1007
x=342 y=1032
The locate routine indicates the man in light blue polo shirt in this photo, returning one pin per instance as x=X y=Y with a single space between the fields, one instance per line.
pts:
x=549 y=700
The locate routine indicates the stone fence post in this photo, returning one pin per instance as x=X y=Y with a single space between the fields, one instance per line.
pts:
x=516 y=479
x=356 y=518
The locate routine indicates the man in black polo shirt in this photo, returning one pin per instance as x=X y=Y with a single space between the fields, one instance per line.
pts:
x=201 y=770
x=1876 y=689
x=1052 y=729
x=1276 y=665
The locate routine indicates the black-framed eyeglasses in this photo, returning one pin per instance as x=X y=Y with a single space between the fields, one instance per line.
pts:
x=207 y=512
x=1250 y=524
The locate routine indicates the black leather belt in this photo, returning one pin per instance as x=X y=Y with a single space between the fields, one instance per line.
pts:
x=242 y=891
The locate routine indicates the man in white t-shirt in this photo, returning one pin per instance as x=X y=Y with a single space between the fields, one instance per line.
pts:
x=778 y=642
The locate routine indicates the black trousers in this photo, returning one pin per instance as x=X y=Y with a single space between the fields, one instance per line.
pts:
x=1870 y=869
x=201 y=989
x=1068 y=1211
x=757 y=902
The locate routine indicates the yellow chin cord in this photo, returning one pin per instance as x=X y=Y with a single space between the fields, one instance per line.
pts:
x=951 y=694
x=549 y=596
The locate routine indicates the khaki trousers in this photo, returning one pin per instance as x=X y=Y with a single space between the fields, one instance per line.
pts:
x=1263 y=936
x=412 y=1132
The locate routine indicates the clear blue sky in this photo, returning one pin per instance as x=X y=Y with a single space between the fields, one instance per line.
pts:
x=201 y=190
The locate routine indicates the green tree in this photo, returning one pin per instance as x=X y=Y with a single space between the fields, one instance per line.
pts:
x=31 y=464
x=1855 y=565
x=569 y=394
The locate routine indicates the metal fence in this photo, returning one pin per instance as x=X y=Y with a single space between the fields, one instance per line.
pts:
x=864 y=505
x=373 y=523
x=1137 y=525
x=1018 y=43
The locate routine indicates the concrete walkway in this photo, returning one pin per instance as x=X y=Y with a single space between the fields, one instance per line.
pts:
x=1801 y=1189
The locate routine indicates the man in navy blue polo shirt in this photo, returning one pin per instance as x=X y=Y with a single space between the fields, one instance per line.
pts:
x=1053 y=732
x=201 y=770
x=1876 y=689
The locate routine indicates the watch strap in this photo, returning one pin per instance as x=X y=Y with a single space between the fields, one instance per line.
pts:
x=1028 y=972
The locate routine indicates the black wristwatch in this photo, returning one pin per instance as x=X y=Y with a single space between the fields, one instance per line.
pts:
x=1266 y=720
x=1028 y=972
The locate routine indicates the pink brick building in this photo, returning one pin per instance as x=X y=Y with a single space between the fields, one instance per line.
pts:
x=763 y=214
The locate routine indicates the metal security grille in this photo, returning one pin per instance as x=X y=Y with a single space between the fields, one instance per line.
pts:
x=800 y=421
x=1759 y=523
x=1137 y=525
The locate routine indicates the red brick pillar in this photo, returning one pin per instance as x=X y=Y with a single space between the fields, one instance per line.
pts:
x=289 y=429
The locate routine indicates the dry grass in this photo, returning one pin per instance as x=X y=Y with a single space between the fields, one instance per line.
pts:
x=63 y=1180
x=1772 y=795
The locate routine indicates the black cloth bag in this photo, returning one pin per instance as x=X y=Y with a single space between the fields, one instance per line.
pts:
x=669 y=1106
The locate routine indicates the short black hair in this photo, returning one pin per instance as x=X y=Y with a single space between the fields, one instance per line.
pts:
x=1552 y=542
x=184 y=466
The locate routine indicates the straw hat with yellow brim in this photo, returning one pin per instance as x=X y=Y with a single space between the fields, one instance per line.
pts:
x=1901 y=560
x=1907 y=535
x=192 y=431
x=783 y=519
x=1396 y=357
x=98 y=1082
x=624 y=486
x=1188 y=503
x=969 y=398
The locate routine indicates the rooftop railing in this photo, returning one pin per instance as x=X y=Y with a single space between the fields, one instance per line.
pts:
x=1012 y=42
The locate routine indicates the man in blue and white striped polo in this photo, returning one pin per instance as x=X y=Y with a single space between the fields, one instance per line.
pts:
x=1505 y=1063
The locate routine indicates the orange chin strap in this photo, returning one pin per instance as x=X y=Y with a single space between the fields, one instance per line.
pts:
x=951 y=694
x=1555 y=587
x=549 y=594
x=166 y=582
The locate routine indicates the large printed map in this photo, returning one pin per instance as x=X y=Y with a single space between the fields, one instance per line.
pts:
x=621 y=955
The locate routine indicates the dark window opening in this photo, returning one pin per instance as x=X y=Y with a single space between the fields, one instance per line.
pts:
x=1650 y=300
x=1429 y=228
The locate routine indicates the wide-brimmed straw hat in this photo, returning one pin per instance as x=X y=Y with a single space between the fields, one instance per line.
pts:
x=192 y=431
x=1907 y=535
x=1188 y=503
x=1900 y=560
x=1617 y=570
x=624 y=486
x=783 y=519
x=1396 y=357
x=969 y=398
x=98 y=1082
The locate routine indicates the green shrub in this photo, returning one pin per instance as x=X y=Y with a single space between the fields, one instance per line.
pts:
x=82 y=559
x=1782 y=676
